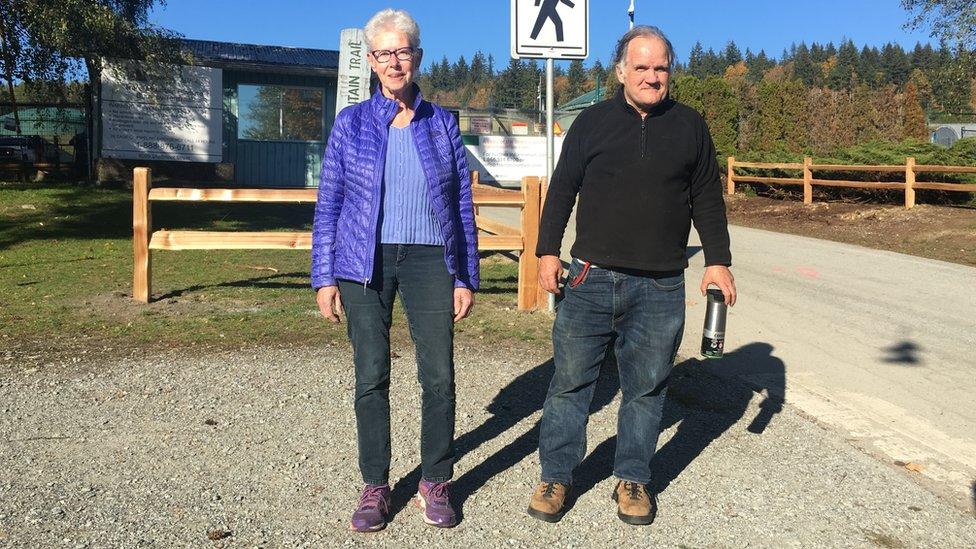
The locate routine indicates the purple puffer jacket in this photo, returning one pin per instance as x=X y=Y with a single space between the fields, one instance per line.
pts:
x=345 y=231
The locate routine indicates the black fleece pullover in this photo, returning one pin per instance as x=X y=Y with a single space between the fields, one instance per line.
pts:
x=640 y=183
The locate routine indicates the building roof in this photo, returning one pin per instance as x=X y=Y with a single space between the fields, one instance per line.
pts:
x=268 y=58
x=579 y=103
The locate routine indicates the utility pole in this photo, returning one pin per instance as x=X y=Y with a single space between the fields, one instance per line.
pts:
x=630 y=13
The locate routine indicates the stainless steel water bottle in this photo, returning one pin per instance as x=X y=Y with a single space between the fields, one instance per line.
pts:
x=713 y=334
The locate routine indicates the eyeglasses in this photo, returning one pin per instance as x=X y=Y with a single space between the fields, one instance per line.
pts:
x=402 y=54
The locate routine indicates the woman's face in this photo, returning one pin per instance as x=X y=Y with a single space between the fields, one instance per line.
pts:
x=393 y=60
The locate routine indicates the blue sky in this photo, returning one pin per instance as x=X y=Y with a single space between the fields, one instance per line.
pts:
x=455 y=27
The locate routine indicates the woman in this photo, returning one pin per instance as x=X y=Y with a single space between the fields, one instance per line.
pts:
x=394 y=216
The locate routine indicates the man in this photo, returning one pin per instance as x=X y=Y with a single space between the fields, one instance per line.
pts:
x=643 y=167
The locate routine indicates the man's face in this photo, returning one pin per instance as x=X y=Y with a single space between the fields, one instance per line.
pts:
x=645 y=72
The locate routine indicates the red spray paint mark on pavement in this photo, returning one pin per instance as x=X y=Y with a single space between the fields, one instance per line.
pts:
x=808 y=272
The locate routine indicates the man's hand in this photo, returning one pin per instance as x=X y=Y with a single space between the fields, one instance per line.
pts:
x=721 y=276
x=463 y=301
x=550 y=269
x=330 y=303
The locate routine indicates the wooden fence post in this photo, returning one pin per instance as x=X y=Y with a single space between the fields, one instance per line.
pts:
x=541 y=296
x=141 y=230
x=528 y=278
x=807 y=180
x=476 y=180
x=909 y=182
x=729 y=182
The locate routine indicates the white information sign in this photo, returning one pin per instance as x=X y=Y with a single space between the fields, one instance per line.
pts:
x=353 y=69
x=557 y=29
x=162 y=112
x=503 y=158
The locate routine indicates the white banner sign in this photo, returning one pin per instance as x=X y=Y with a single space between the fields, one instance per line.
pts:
x=353 y=69
x=162 y=112
x=503 y=158
x=550 y=28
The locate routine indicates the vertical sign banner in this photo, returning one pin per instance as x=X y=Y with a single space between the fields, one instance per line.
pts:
x=161 y=112
x=556 y=29
x=353 y=69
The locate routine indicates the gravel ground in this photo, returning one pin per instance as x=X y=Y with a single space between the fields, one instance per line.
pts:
x=257 y=448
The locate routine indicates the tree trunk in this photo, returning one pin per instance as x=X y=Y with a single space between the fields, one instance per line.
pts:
x=8 y=74
x=94 y=79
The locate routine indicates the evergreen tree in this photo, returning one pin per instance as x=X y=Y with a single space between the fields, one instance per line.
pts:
x=577 y=78
x=924 y=59
x=714 y=64
x=687 y=89
x=461 y=73
x=479 y=70
x=795 y=115
x=721 y=113
x=731 y=54
x=611 y=84
x=923 y=87
x=863 y=115
x=895 y=64
x=696 y=61
x=805 y=67
x=842 y=73
x=507 y=93
x=758 y=66
x=597 y=72
x=869 y=66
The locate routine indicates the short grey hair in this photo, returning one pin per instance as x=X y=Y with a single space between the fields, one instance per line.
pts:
x=642 y=31
x=395 y=20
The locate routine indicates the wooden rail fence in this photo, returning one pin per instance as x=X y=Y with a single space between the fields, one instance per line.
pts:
x=497 y=237
x=807 y=181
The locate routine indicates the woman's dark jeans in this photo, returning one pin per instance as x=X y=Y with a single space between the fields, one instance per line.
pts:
x=419 y=274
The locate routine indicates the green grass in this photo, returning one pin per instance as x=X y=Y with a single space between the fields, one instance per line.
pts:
x=66 y=271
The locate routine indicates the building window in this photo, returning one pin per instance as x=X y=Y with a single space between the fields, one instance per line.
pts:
x=279 y=113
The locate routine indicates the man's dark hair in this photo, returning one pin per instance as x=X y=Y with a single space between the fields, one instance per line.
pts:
x=645 y=31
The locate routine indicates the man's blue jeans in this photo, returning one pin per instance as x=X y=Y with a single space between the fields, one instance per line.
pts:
x=643 y=314
x=419 y=274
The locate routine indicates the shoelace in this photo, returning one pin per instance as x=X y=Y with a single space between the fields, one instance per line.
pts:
x=549 y=490
x=633 y=490
x=438 y=493
x=372 y=498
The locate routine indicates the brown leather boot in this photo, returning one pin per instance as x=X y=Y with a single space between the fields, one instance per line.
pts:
x=635 y=505
x=548 y=501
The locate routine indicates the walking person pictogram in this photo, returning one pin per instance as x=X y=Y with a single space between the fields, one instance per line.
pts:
x=548 y=11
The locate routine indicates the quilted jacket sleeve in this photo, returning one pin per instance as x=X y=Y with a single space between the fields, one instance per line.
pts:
x=328 y=205
x=468 y=275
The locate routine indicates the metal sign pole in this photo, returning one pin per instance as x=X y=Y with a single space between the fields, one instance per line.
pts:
x=550 y=144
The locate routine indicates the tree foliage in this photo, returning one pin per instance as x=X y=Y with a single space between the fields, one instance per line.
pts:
x=951 y=21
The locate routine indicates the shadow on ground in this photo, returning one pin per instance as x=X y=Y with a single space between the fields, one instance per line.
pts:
x=701 y=404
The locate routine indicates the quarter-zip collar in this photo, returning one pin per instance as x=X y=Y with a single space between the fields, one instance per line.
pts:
x=621 y=100
x=385 y=108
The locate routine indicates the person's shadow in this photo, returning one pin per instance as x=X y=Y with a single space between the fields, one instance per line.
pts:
x=521 y=398
x=704 y=406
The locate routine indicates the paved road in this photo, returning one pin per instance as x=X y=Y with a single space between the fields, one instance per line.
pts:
x=879 y=345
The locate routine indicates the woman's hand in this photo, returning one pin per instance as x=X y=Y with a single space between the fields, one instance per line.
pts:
x=330 y=303
x=463 y=301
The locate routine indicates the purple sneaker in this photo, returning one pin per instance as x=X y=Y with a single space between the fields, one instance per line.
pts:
x=371 y=511
x=433 y=499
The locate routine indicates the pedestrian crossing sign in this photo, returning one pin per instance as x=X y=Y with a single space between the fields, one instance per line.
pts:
x=557 y=29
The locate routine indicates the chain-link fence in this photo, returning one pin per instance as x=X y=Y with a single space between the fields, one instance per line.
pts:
x=43 y=137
